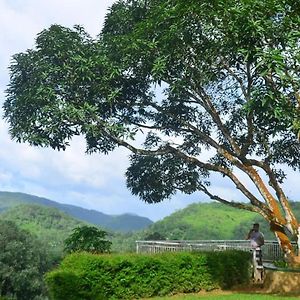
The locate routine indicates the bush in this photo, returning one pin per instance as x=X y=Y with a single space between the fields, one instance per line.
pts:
x=229 y=268
x=98 y=277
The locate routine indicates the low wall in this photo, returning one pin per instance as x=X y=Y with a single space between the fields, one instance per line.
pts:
x=282 y=282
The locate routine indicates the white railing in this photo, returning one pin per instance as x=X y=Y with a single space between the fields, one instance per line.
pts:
x=270 y=251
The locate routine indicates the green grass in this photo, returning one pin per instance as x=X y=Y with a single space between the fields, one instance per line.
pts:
x=234 y=296
x=228 y=218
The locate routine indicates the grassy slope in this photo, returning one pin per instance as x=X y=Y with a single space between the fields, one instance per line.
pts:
x=203 y=221
x=52 y=227
x=212 y=221
x=197 y=221
x=200 y=221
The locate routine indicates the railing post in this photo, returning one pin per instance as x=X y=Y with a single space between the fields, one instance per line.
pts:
x=258 y=268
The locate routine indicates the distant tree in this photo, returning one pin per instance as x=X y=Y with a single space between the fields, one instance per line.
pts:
x=154 y=236
x=230 y=105
x=22 y=263
x=87 y=238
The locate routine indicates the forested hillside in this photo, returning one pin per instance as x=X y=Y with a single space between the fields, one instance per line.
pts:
x=211 y=221
x=196 y=222
x=48 y=224
x=199 y=221
x=122 y=223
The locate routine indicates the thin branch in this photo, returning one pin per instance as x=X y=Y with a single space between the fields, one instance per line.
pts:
x=237 y=78
x=195 y=130
x=234 y=204
x=121 y=142
x=216 y=118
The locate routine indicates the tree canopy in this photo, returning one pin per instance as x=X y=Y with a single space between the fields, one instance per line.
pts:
x=228 y=76
x=87 y=238
x=23 y=262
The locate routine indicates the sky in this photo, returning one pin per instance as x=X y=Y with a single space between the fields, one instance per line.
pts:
x=91 y=181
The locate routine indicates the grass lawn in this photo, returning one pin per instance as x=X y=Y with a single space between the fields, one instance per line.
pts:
x=231 y=296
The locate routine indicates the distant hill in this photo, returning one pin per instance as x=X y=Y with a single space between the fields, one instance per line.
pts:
x=122 y=223
x=48 y=224
x=200 y=221
x=210 y=221
x=52 y=226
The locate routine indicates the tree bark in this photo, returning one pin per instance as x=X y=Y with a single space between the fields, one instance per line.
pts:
x=291 y=255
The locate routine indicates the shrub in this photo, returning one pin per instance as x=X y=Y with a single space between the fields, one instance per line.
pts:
x=229 y=268
x=88 y=276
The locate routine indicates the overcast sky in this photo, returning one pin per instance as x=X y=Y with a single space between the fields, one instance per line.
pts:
x=91 y=181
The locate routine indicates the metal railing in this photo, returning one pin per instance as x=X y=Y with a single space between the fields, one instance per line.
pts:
x=270 y=251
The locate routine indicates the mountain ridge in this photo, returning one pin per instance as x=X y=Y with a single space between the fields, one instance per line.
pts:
x=124 y=223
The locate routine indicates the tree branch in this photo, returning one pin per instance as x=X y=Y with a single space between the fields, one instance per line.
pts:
x=169 y=149
x=292 y=223
x=237 y=78
x=226 y=172
x=234 y=204
x=195 y=130
x=216 y=118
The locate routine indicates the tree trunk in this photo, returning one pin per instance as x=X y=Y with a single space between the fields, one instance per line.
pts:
x=290 y=254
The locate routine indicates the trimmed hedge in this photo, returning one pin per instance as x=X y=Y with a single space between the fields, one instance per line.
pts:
x=102 y=277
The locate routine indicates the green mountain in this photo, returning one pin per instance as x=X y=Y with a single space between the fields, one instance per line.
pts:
x=52 y=226
x=122 y=223
x=48 y=224
x=40 y=220
x=209 y=221
x=200 y=221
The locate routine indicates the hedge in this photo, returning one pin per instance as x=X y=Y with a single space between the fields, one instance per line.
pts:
x=84 y=276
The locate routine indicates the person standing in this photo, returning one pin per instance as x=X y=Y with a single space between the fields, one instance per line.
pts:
x=255 y=236
x=257 y=240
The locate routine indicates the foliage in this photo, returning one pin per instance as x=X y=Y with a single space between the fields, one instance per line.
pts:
x=222 y=265
x=280 y=264
x=87 y=238
x=231 y=296
x=23 y=261
x=228 y=75
x=137 y=276
x=154 y=236
x=126 y=242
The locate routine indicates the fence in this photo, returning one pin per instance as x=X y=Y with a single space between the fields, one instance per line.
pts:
x=270 y=251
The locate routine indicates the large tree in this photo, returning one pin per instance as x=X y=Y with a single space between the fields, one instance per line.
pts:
x=212 y=86
x=23 y=262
